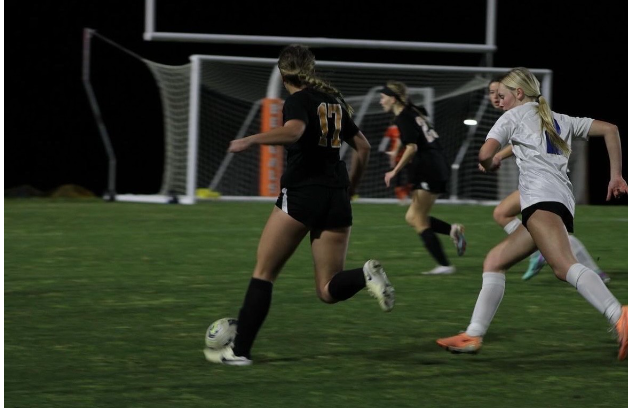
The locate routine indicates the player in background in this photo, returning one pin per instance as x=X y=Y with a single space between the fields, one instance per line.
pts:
x=391 y=146
x=428 y=174
x=314 y=199
x=541 y=141
x=493 y=92
x=506 y=212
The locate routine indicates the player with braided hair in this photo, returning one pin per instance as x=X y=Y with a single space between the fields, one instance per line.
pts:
x=314 y=199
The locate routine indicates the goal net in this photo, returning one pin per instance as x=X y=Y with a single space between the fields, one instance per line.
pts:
x=216 y=99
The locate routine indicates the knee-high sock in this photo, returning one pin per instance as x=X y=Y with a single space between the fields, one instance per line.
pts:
x=581 y=254
x=346 y=284
x=252 y=315
x=434 y=246
x=490 y=296
x=439 y=226
x=511 y=226
x=591 y=287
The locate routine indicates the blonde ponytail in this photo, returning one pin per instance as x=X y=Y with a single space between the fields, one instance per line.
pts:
x=521 y=77
x=549 y=127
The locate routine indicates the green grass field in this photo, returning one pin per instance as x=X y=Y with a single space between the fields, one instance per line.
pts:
x=106 y=305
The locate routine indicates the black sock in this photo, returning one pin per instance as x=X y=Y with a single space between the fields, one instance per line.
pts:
x=440 y=226
x=434 y=246
x=346 y=284
x=252 y=315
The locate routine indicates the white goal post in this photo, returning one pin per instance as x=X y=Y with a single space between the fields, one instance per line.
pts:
x=230 y=97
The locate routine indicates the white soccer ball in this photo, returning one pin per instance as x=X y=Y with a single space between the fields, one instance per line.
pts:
x=221 y=333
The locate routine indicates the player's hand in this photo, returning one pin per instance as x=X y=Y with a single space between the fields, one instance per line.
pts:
x=239 y=145
x=389 y=176
x=616 y=187
x=481 y=168
x=496 y=164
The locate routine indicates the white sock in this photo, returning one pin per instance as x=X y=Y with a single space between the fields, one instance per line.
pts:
x=511 y=226
x=591 y=287
x=581 y=254
x=490 y=297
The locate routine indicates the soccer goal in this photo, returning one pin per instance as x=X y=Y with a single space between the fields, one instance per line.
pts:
x=219 y=98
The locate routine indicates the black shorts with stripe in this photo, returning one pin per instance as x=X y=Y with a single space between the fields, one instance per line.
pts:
x=317 y=207
x=552 y=206
x=432 y=186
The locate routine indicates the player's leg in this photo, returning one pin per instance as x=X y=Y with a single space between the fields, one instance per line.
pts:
x=537 y=261
x=510 y=251
x=549 y=232
x=329 y=245
x=583 y=257
x=281 y=236
x=505 y=214
x=417 y=217
x=329 y=256
x=334 y=283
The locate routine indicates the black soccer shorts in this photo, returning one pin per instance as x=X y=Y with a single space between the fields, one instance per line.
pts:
x=552 y=206
x=317 y=207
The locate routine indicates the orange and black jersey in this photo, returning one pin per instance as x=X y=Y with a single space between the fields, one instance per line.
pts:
x=429 y=160
x=314 y=158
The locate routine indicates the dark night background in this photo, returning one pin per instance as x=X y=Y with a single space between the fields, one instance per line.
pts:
x=51 y=137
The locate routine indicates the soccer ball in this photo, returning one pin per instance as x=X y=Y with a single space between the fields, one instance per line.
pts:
x=221 y=333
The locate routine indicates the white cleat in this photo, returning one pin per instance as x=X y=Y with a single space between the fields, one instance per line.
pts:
x=378 y=285
x=225 y=356
x=441 y=270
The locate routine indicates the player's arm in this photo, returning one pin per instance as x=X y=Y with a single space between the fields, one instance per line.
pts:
x=393 y=154
x=610 y=132
x=500 y=156
x=505 y=153
x=410 y=151
x=487 y=155
x=360 y=159
x=287 y=134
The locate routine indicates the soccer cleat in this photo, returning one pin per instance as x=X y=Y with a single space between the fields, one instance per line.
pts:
x=225 y=356
x=536 y=263
x=622 y=333
x=604 y=276
x=378 y=285
x=462 y=343
x=441 y=270
x=457 y=235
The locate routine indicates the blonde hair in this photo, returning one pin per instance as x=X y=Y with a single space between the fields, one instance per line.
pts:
x=297 y=66
x=521 y=77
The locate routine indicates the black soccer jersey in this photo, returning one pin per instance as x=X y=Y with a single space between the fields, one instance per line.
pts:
x=429 y=161
x=314 y=158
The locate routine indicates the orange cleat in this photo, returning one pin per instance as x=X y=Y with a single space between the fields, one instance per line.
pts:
x=622 y=333
x=462 y=343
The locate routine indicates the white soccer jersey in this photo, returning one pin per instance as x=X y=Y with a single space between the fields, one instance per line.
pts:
x=542 y=167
